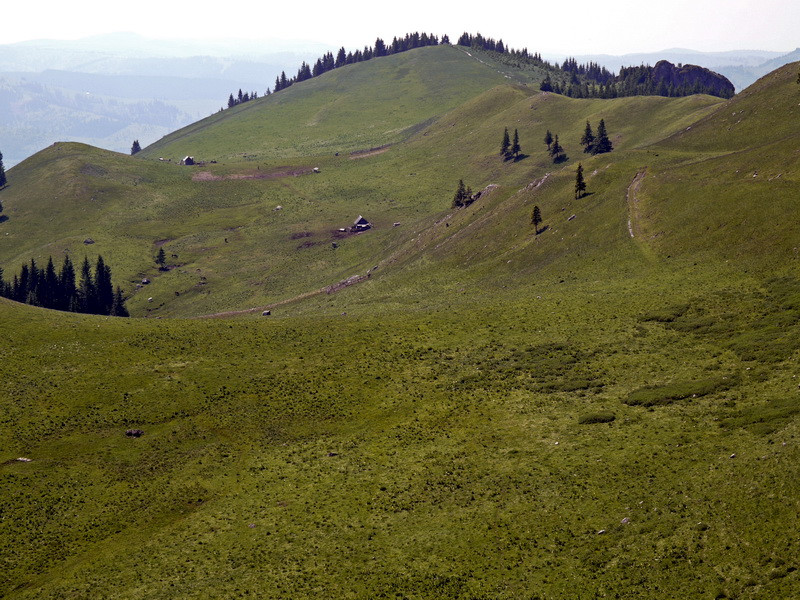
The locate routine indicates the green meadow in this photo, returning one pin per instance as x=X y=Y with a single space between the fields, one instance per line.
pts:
x=608 y=408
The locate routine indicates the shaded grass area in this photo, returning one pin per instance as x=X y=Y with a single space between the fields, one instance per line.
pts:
x=440 y=453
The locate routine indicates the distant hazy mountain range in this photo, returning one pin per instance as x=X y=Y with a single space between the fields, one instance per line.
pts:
x=109 y=90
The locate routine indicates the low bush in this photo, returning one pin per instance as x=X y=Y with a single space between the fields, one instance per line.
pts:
x=598 y=417
x=670 y=392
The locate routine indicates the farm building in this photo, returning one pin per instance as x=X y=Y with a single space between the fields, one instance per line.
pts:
x=361 y=224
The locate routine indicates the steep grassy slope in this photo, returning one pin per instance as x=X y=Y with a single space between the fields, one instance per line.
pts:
x=745 y=173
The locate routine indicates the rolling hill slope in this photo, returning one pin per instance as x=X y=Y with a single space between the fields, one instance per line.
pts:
x=607 y=407
x=212 y=216
x=355 y=107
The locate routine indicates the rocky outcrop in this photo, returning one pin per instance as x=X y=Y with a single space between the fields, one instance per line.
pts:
x=691 y=77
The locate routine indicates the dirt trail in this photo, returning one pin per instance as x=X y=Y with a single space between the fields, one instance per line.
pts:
x=367 y=153
x=633 y=201
x=276 y=174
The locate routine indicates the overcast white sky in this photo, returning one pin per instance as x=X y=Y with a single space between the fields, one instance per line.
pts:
x=568 y=27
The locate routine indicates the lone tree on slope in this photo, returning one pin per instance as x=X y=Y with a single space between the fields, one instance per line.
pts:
x=3 y=179
x=587 y=141
x=536 y=219
x=602 y=144
x=580 y=184
x=506 y=144
x=461 y=195
x=515 y=149
x=557 y=151
x=135 y=147
x=161 y=259
x=548 y=139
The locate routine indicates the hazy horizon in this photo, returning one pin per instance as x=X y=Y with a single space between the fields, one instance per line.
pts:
x=614 y=27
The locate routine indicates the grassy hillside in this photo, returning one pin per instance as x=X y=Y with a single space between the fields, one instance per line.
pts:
x=454 y=453
x=608 y=407
x=231 y=248
x=352 y=108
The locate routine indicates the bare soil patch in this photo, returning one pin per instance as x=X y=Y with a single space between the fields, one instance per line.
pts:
x=278 y=173
x=371 y=152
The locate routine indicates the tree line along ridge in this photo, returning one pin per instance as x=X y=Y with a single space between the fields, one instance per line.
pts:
x=570 y=78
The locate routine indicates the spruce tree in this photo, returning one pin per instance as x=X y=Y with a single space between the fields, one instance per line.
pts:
x=548 y=139
x=66 y=285
x=87 y=297
x=506 y=144
x=587 y=141
x=557 y=151
x=536 y=219
x=49 y=292
x=118 y=307
x=34 y=279
x=22 y=285
x=161 y=259
x=580 y=184
x=3 y=179
x=602 y=144
x=460 y=195
x=103 y=287
x=135 y=147
x=515 y=149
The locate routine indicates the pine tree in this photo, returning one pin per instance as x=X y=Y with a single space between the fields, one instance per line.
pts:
x=49 y=293
x=135 y=147
x=536 y=219
x=118 y=307
x=515 y=149
x=22 y=284
x=580 y=184
x=587 y=141
x=66 y=285
x=161 y=259
x=103 y=287
x=506 y=144
x=34 y=279
x=557 y=151
x=86 y=297
x=3 y=179
x=548 y=139
x=460 y=197
x=602 y=144
x=341 y=57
